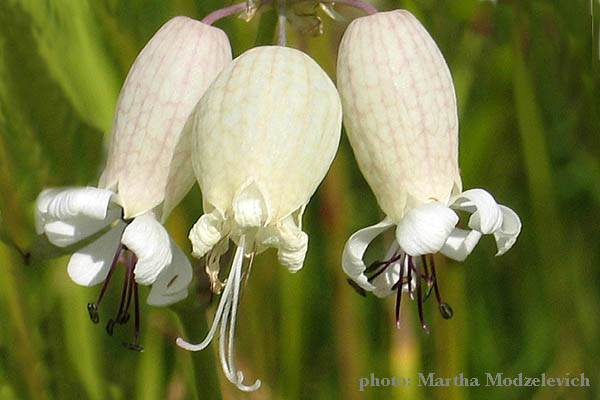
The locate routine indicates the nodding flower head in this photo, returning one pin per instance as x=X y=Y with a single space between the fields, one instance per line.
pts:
x=144 y=178
x=401 y=118
x=265 y=134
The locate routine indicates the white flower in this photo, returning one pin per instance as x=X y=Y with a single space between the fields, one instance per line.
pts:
x=146 y=174
x=265 y=134
x=401 y=118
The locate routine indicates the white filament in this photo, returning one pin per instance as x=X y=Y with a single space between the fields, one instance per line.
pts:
x=226 y=316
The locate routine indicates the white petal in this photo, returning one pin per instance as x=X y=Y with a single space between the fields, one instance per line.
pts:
x=161 y=300
x=171 y=284
x=293 y=244
x=355 y=248
x=150 y=242
x=425 y=229
x=249 y=206
x=90 y=265
x=460 y=243
x=69 y=215
x=507 y=235
x=206 y=233
x=486 y=214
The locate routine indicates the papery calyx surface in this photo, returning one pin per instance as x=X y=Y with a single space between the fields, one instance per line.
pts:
x=270 y=122
x=400 y=111
x=164 y=84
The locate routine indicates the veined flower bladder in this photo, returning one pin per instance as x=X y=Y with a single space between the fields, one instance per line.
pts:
x=264 y=136
x=145 y=177
x=401 y=118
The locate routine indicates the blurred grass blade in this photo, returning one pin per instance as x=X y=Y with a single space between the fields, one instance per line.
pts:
x=69 y=39
x=150 y=383
x=80 y=337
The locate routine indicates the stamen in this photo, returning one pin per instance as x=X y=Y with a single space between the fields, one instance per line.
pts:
x=399 y=294
x=135 y=346
x=445 y=308
x=136 y=303
x=384 y=265
x=121 y=317
x=446 y=311
x=374 y=265
x=93 y=307
x=124 y=314
x=357 y=288
x=429 y=290
x=419 y=296
x=410 y=268
x=428 y=278
x=426 y=270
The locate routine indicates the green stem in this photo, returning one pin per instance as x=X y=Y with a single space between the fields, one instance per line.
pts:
x=281 y=23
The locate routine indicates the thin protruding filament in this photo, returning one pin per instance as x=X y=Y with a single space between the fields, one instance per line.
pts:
x=225 y=318
x=133 y=288
x=445 y=308
x=93 y=307
x=399 y=292
x=419 y=294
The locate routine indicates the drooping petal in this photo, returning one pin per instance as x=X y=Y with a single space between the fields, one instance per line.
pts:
x=507 y=235
x=355 y=248
x=171 y=284
x=206 y=233
x=460 y=243
x=425 y=229
x=67 y=216
x=292 y=246
x=486 y=214
x=151 y=244
x=90 y=264
x=249 y=206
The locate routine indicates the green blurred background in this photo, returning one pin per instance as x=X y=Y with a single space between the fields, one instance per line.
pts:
x=527 y=75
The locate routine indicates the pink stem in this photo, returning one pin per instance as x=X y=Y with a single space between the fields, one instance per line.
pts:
x=223 y=12
x=366 y=7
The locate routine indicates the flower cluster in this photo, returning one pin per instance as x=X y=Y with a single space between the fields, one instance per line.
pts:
x=259 y=133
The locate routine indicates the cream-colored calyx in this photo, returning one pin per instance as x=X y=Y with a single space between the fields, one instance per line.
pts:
x=399 y=111
x=164 y=84
x=265 y=135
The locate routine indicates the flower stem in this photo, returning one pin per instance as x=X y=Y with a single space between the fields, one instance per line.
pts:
x=281 y=21
x=224 y=12
x=366 y=7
